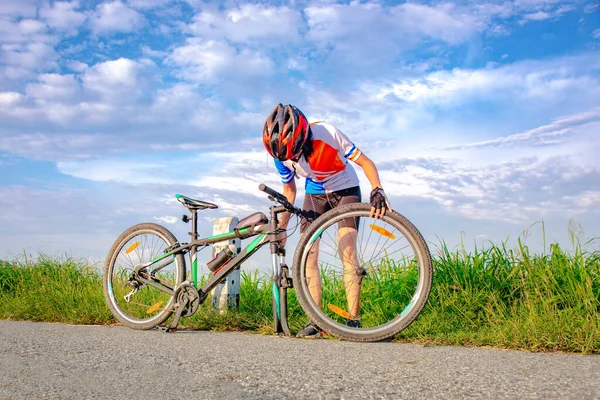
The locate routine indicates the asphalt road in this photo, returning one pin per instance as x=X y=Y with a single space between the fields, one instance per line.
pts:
x=39 y=361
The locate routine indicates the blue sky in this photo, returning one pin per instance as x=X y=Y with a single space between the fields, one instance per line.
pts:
x=483 y=117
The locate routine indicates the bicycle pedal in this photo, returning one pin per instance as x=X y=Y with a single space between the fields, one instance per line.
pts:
x=167 y=329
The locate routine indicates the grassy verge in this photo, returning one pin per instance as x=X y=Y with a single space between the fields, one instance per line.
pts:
x=514 y=299
x=52 y=290
x=493 y=297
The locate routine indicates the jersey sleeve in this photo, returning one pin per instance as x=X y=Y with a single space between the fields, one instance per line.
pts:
x=351 y=152
x=286 y=174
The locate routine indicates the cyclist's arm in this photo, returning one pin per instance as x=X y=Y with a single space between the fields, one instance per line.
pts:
x=289 y=191
x=370 y=170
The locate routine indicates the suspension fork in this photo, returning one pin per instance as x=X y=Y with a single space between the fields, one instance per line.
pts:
x=280 y=280
x=280 y=283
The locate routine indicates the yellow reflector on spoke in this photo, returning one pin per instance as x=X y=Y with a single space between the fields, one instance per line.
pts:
x=382 y=231
x=154 y=307
x=132 y=247
x=340 y=312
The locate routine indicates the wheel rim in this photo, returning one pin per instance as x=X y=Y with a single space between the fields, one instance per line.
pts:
x=393 y=290
x=147 y=304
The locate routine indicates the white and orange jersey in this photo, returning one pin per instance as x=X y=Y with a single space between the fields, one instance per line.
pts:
x=327 y=168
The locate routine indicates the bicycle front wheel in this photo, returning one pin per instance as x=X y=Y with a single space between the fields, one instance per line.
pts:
x=132 y=302
x=360 y=278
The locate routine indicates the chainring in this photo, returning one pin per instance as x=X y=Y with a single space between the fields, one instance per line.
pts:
x=187 y=291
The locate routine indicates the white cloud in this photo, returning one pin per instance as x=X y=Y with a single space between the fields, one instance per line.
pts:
x=77 y=66
x=544 y=15
x=15 y=74
x=544 y=80
x=105 y=170
x=153 y=53
x=167 y=219
x=234 y=170
x=202 y=60
x=54 y=87
x=498 y=30
x=518 y=191
x=106 y=93
x=116 y=81
x=24 y=31
x=211 y=61
x=122 y=71
x=62 y=15
x=47 y=145
x=147 y=4
x=553 y=133
x=590 y=8
x=368 y=36
x=10 y=99
x=367 y=25
x=32 y=56
x=114 y=16
x=596 y=34
x=586 y=199
x=21 y=8
x=249 y=23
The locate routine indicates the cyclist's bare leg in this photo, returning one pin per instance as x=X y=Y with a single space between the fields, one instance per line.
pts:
x=347 y=247
x=313 y=275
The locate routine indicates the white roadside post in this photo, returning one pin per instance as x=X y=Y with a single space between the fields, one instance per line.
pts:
x=226 y=295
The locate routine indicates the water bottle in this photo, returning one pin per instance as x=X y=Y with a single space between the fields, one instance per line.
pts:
x=222 y=257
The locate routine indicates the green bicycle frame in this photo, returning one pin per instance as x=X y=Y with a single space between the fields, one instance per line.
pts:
x=266 y=233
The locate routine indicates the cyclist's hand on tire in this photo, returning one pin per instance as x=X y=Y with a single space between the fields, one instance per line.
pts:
x=379 y=203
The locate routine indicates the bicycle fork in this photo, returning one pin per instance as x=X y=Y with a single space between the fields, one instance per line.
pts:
x=281 y=281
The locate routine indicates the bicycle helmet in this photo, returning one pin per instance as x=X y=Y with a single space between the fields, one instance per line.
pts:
x=285 y=133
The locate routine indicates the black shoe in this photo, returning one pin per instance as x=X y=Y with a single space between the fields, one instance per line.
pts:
x=310 y=331
x=353 y=323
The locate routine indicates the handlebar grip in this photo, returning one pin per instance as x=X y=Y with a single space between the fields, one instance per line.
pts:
x=264 y=188
x=279 y=197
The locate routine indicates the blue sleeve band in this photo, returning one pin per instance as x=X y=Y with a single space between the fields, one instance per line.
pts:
x=286 y=174
x=350 y=152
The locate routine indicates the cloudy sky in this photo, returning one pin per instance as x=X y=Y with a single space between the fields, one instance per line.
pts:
x=482 y=116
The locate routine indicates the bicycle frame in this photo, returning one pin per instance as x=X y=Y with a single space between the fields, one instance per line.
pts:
x=265 y=233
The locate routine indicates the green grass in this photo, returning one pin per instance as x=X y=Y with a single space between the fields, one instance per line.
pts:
x=52 y=290
x=513 y=299
x=496 y=296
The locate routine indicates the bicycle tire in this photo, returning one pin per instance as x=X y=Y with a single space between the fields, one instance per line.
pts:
x=416 y=264
x=131 y=313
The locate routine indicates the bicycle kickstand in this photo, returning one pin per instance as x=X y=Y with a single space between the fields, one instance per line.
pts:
x=180 y=309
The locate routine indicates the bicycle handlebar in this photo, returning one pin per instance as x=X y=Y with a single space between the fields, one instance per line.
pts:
x=281 y=199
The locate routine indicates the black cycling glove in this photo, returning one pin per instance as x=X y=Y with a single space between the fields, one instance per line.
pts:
x=379 y=200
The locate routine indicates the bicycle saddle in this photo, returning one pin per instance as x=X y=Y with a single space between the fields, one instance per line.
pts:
x=193 y=204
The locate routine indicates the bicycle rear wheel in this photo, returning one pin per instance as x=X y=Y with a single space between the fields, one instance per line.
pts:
x=378 y=274
x=135 y=304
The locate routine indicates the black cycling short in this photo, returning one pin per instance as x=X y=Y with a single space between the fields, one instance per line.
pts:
x=317 y=204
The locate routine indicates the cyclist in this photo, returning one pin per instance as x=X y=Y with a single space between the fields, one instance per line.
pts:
x=320 y=152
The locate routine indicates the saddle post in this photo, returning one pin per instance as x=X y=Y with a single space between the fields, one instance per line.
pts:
x=194 y=250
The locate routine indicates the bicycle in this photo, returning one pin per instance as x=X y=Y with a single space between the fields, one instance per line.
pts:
x=145 y=270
